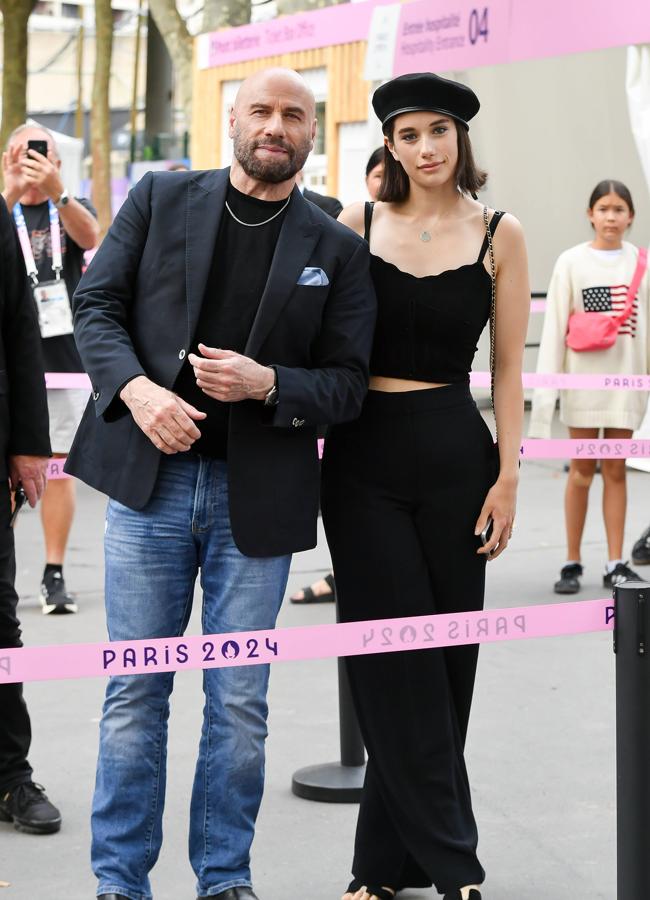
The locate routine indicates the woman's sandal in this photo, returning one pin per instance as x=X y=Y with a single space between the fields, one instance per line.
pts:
x=308 y=596
x=380 y=892
x=456 y=895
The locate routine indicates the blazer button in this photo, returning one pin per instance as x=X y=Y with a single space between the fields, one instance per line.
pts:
x=181 y=354
x=298 y=423
x=95 y=395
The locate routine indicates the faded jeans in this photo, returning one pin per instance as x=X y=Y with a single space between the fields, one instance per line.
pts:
x=153 y=557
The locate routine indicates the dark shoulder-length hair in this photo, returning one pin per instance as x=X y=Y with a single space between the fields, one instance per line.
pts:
x=395 y=186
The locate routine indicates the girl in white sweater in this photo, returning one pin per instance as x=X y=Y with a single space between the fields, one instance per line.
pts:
x=594 y=277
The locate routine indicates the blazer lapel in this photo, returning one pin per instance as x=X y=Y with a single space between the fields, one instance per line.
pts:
x=298 y=237
x=205 y=204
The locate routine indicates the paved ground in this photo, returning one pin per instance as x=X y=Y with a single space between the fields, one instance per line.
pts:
x=540 y=754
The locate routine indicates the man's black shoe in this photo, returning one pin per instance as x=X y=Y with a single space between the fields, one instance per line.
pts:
x=27 y=806
x=236 y=893
x=621 y=573
x=641 y=550
x=569 y=582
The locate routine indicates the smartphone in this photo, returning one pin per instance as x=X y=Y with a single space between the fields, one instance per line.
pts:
x=19 y=501
x=39 y=146
x=486 y=534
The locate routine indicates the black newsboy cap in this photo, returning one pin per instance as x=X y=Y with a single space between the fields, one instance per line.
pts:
x=424 y=91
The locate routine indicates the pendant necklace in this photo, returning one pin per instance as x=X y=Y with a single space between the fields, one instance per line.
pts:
x=425 y=236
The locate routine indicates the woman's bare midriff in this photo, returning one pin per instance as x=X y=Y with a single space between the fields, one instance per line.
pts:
x=395 y=385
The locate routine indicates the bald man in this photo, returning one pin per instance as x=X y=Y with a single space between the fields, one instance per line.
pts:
x=223 y=318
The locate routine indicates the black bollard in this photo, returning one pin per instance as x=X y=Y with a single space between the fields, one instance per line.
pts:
x=337 y=782
x=631 y=636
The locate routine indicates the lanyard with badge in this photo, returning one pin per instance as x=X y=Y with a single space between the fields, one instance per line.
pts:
x=51 y=297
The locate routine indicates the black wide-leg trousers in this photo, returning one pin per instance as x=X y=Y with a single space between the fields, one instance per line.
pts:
x=15 y=728
x=402 y=489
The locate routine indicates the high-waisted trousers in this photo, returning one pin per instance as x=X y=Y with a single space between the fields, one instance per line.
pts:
x=403 y=487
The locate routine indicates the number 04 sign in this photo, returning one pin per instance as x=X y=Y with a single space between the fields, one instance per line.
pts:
x=438 y=38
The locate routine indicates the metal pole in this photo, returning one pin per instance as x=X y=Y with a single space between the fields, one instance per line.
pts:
x=337 y=782
x=631 y=636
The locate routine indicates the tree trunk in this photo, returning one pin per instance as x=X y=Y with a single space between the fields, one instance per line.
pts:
x=179 y=43
x=100 y=115
x=15 y=14
x=225 y=14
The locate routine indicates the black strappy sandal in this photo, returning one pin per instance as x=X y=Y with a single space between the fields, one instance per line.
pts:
x=456 y=895
x=308 y=596
x=380 y=892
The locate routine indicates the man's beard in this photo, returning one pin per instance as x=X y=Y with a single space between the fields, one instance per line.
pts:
x=272 y=171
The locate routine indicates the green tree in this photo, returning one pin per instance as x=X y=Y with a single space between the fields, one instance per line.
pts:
x=15 y=15
x=225 y=14
x=100 y=115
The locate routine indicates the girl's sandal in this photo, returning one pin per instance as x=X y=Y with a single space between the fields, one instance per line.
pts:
x=379 y=892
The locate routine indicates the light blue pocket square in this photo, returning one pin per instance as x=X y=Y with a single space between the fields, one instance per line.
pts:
x=312 y=276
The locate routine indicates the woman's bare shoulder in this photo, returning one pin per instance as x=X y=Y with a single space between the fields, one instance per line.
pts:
x=353 y=217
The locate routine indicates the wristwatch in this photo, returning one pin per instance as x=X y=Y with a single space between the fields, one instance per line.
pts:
x=63 y=200
x=273 y=396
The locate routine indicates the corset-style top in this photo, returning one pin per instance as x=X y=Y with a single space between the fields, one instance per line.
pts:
x=428 y=328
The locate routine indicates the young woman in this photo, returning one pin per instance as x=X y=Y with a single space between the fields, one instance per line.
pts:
x=409 y=487
x=595 y=277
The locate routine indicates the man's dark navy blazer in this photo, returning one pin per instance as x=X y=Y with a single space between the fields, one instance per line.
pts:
x=135 y=313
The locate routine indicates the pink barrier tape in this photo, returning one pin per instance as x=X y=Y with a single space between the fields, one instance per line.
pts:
x=558 y=448
x=55 y=468
x=538 y=306
x=67 y=380
x=250 y=648
x=605 y=448
x=561 y=380
x=572 y=381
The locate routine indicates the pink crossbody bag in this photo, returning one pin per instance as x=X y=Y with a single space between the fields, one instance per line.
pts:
x=598 y=331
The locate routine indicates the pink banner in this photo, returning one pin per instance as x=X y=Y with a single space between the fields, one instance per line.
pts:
x=312 y=642
x=341 y=24
x=572 y=381
x=440 y=37
x=443 y=36
x=605 y=448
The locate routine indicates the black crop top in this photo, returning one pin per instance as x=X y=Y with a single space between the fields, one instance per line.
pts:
x=428 y=327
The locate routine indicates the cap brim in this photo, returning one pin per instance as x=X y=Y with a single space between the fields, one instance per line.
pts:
x=408 y=109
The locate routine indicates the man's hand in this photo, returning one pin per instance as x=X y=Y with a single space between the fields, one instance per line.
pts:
x=15 y=180
x=42 y=173
x=31 y=472
x=165 y=418
x=230 y=377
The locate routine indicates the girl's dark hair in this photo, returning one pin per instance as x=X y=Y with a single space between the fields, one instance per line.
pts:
x=394 y=186
x=376 y=158
x=609 y=186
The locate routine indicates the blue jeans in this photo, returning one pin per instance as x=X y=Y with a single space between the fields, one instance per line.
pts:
x=152 y=559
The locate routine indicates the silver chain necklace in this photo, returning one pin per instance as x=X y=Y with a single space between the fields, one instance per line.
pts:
x=257 y=224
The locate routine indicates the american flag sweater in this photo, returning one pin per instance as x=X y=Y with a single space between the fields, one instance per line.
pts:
x=583 y=281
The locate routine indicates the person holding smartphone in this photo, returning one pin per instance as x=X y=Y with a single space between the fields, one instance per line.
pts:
x=58 y=229
x=410 y=486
